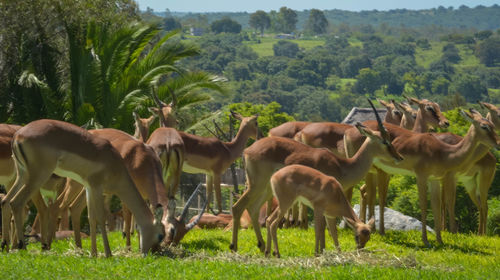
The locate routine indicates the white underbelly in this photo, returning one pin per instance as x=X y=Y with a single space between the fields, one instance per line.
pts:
x=70 y=174
x=391 y=169
x=304 y=201
x=193 y=170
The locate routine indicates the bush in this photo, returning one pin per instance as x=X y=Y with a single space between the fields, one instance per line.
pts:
x=493 y=222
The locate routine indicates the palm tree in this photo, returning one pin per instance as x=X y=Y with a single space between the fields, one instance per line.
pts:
x=115 y=72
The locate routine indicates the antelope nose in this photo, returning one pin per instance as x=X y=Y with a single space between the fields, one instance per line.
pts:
x=446 y=124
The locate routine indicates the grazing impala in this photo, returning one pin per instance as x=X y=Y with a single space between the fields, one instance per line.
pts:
x=271 y=153
x=322 y=193
x=44 y=147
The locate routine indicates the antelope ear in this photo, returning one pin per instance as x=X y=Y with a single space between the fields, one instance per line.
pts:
x=468 y=116
x=350 y=222
x=136 y=116
x=371 y=222
x=153 y=110
x=382 y=102
x=152 y=118
x=364 y=130
x=236 y=115
x=158 y=214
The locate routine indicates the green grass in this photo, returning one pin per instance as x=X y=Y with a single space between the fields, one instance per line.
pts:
x=204 y=254
x=265 y=47
x=426 y=57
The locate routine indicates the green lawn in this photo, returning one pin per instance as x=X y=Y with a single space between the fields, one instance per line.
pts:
x=204 y=254
x=426 y=57
x=265 y=47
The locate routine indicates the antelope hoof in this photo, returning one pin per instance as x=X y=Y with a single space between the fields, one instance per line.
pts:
x=20 y=245
x=232 y=247
x=276 y=254
x=45 y=247
x=4 y=246
x=261 y=246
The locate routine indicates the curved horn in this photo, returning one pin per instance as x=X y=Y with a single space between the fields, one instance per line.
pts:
x=173 y=104
x=379 y=121
x=197 y=220
x=156 y=98
x=188 y=203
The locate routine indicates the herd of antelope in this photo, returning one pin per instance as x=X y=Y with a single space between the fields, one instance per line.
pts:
x=63 y=168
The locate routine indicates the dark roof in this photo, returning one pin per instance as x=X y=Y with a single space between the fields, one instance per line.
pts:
x=363 y=114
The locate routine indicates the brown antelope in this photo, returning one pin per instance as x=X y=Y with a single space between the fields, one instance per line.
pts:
x=212 y=156
x=393 y=115
x=409 y=114
x=493 y=113
x=322 y=193
x=44 y=147
x=288 y=129
x=271 y=153
x=142 y=126
x=430 y=160
x=428 y=115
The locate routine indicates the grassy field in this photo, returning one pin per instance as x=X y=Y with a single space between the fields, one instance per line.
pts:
x=265 y=47
x=204 y=254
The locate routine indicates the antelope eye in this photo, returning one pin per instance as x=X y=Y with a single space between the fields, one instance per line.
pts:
x=485 y=127
x=429 y=108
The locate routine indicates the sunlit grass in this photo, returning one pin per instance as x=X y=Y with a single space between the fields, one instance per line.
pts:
x=204 y=254
x=265 y=47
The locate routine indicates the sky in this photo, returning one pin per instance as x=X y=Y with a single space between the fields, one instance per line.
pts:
x=299 y=5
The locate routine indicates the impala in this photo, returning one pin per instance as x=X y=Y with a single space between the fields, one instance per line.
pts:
x=430 y=160
x=428 y=115
x=142 y=126
x=212 y=156
x=44 y=147
x=288 y=129
x=409 y=114
x=271 y=153
x=322 y=193
x=393 y=114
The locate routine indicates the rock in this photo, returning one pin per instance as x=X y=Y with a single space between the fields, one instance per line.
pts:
x=394 y=220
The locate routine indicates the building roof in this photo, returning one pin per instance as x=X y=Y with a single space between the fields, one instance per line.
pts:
x=363 y=114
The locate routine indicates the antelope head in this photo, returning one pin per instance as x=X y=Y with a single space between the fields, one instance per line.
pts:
x=493 y=113
x=142 y=126
x=484 y=128
x=166 y=113
x=381 y=138
x=151 y=240
x=404 y=107
x=431 y=112
x=392 y=111
x=361 y=230
x=179 y=227
x=248 y=124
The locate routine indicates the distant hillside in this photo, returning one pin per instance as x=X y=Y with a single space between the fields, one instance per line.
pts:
x=479 y=17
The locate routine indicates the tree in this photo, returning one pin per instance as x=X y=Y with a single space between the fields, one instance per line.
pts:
x=171 y=23
x=488 y=51
x=260 y=20
x=368 y=81
x=470 y=87
x=226 y=25
x=286 y=48
x=287 y=20
x=451 y=53
x=316 y=23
